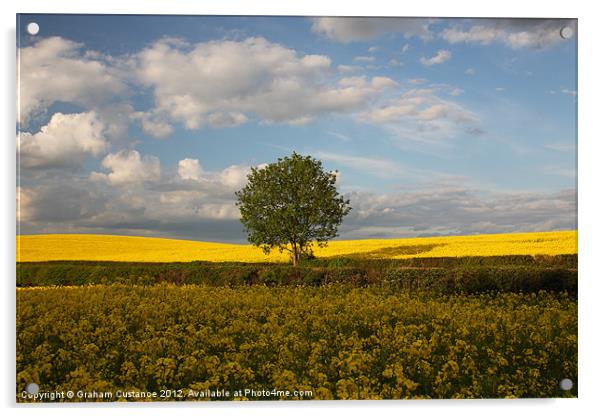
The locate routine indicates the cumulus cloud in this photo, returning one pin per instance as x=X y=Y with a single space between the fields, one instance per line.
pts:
x=351 y=29
x=190 y=169
x=225 y=83
x=188 y=202
x=200 y=195
x=232 y=177
x=187 y=205
x=56 y=69
x=440 y=57
x=64 y=142
x=152 y=124
x=381 y=83
x=207 y=210
x=420 y=113
x=128 y=167
x=515 y=33
x=65 y=202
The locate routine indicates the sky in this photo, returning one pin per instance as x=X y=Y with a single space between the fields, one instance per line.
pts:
x=147 y=125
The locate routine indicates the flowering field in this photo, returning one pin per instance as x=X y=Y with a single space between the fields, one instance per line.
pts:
x=338 y=328
x=333 y=341
x=144 y=249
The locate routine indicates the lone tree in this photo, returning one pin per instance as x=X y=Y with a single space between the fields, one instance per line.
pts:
x=291 y=204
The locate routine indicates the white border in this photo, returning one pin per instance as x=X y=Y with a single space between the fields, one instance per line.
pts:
x=589 y=189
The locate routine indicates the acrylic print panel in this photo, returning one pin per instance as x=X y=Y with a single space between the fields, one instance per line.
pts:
x=295 y=208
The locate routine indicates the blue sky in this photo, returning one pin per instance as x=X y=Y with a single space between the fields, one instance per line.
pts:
x=148 y=124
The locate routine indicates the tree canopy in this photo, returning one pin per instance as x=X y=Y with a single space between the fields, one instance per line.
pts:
x=290 y=205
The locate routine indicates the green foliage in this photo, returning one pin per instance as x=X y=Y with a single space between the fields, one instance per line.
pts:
x=447 y=275
x=338 y=341
x=290 y=205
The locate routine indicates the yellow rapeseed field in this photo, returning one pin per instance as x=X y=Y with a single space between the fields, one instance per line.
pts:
x=145 y=249
x=336 y=342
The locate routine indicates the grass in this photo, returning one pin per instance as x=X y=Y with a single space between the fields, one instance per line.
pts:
x=53 y=247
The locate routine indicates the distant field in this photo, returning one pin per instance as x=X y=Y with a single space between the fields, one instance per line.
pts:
x=49 y=247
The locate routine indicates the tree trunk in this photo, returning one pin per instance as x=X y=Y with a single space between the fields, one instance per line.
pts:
x=295 y=255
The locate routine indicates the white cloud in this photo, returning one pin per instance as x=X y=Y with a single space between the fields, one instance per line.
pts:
x=153 y=125
x=350 y=29
x=191 y=206
x=421 y=114
x=206 y=209
x=440 y=57
x=381 y=83
x=127 y=168
x=227 y=119
x=470 y=71
x=190 y=169
x=515 y=33
x=345 y=69
x=364 y=59
x=375 y=166
x=226 y=83
x=191 y=198
x=55 y=69
x=234 y=176
x=405 y=48
x=569 y=92
x=476 y=34
x=64 y=142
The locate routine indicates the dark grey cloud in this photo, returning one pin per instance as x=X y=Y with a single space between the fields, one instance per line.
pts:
x=205 y=210
x=65 y=203
x=515 y=33
x=458 y=211
x=353 y=29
